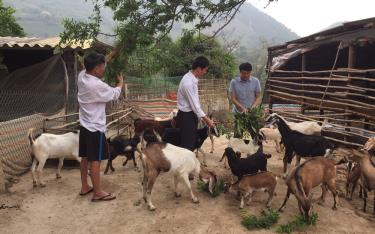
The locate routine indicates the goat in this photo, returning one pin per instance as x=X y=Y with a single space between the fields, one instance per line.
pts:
x=272 y=134
x=305 y=127
x=172 y=136
x=48 y=146
x=352 y=179
x=164 y=157
x=260 y=181
x=140 y=125
x=310 y=174
x=367 y=166
x=244 y=166
x=122 y=145
x=299 y=143
x=240 y=146
x=211 y=134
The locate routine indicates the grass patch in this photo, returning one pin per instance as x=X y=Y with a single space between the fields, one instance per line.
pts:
x=298 y=224
x=266 y=220
x=219 y=188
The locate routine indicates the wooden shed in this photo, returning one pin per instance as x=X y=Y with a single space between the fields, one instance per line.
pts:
x=329 y=75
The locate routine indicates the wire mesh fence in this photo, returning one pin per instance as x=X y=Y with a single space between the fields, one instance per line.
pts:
x=143 y=88
x=16 y=104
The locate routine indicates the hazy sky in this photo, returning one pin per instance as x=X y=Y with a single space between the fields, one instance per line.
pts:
x=306 y=17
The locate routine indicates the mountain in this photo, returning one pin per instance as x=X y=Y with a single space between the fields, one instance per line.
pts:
x=42 y=18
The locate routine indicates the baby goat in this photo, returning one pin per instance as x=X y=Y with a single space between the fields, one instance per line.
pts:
x=310 y=174
x=164 y=157
x=272 y=134
x=121 y=145
x=248 y=184
x=52 y=146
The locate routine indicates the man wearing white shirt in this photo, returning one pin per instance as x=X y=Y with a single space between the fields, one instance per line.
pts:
x=188 y=104
x=93 y=94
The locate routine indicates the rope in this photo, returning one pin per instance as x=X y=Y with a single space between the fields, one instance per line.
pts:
x=330 y=75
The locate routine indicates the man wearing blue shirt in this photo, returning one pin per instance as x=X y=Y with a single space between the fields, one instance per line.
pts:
x=244 y=90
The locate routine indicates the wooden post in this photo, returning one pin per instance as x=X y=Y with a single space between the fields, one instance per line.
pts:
x=303 y=68
x=351 y=64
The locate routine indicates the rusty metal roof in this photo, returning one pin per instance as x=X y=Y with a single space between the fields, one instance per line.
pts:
x=47 y=43
x=354 y=30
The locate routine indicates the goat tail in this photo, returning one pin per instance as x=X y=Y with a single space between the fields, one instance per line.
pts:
x=30 y=135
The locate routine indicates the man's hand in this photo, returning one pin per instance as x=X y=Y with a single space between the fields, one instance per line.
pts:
x=120 y=80
x=210 y=123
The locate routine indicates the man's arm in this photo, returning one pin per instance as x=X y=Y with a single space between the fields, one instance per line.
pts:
x=238 y=105
x=257 y=100
x=109 y=56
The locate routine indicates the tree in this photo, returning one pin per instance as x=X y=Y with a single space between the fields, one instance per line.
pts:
x=9 y=26
x=143 y=22
x=170 y=58
x=189 y=46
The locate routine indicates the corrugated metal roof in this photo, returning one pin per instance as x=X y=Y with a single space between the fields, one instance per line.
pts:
x=34 y=42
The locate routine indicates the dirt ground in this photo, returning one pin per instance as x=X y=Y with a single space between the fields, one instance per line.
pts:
x=58 y=208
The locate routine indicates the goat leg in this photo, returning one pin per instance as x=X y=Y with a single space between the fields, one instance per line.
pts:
x=185 y=178
x=126 y=161
x=212 y=143
x=107 y=167
x=39 y=171
x=176 y=193
x=364 y=199
x=33 y=166
x=61 y=162
x=323 y=196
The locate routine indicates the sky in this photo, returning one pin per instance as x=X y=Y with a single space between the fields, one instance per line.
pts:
x=306 y=17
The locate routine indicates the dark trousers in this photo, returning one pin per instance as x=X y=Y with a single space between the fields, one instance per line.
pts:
x=187 y=122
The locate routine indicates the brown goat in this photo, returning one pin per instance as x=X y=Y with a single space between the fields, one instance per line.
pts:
x=365 y=159
x=352 y=179
x=260 y=181
x=312 y=173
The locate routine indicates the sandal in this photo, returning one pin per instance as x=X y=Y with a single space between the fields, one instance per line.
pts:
x=107 y=197
x=88 y=191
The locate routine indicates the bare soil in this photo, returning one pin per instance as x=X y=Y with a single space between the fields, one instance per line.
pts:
x=58 y=208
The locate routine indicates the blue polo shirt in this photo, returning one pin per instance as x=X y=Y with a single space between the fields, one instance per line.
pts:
x=244 y=91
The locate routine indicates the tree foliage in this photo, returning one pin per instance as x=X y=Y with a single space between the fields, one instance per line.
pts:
x=170 y=58
x=9 y=25
x=143 y=22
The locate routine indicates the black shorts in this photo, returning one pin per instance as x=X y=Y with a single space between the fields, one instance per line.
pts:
x=93 y=145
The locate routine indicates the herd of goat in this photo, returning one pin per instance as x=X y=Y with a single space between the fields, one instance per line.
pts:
x=156 y=141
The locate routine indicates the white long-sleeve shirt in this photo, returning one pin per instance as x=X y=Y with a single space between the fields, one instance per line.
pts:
x=187 y=95
x=93 y=94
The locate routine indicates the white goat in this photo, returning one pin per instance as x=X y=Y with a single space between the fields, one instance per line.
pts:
x=305 y=127
x=180 y=162
x=272 y=134
x=52 y=146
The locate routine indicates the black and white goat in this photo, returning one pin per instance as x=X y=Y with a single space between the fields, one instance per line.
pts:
x=300 y=144
x=121 y=145
x=172 y=136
